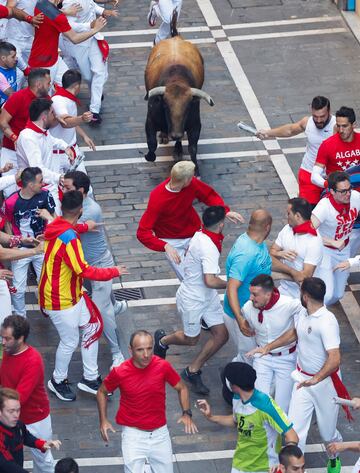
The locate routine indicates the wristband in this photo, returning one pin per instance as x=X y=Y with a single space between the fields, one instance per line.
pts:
x=187 y=412
x=29 y=19
x=13 y=137
x=326 y=184
x=15 y=240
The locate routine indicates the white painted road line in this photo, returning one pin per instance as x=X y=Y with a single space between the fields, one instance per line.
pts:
x=287 y=34
x=236 y=26
x=210 y=141
x=201 y=157
x=294 y=21
x=185 y=457
x=248 y=37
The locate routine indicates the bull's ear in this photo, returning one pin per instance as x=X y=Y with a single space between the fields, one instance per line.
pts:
x=146 y=97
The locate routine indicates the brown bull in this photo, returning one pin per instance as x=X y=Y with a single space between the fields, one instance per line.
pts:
x=174 y=76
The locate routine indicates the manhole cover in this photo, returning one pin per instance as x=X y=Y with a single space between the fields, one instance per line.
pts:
x=128 y=294
x=254 y=3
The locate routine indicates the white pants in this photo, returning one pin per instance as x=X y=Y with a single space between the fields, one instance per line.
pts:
x=23 y=48
x=242 y=343
x=101 y=295
x=318 y=398
x=43 y=462
x=164 y=9
x=68 y=323
x=154 y=447
x=180 y=245
x=9 y=156
x=20 y=271
x=356 y=468
x=335 y=280
x=92 y=67
x=271 y=368
x=354 y=242
x=57 y=71
x=5 y=301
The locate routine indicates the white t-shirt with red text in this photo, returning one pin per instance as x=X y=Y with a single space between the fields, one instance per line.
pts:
x=332 y=224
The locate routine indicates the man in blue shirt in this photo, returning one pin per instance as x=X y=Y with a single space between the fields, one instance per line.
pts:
x=11 y=75
x=248 y=258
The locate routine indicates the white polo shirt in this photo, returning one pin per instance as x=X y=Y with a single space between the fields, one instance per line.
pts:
x=317 y=333
x=276 y=321
x=21 y=30
x=36 y=149
x=64 y=106
x=82 y=21
x=333 y=225
x=309 y=249
x=202 y=257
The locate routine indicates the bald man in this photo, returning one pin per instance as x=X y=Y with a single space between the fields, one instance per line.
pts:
x=248 y=258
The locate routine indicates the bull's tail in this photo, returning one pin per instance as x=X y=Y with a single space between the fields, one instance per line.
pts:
x=173 y=24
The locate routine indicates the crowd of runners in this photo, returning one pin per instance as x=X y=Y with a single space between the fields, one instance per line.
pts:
x=286 y=340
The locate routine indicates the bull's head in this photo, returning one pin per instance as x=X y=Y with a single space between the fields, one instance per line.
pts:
x=177 y=99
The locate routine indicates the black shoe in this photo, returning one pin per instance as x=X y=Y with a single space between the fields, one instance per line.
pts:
x=159 y=349
x=204 y=325
x=96 y=119
x=90 y=386
x=62 y=390
x=195 y=380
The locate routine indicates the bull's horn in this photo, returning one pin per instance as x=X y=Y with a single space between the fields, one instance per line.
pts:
x=156 y=91
x=202 y=95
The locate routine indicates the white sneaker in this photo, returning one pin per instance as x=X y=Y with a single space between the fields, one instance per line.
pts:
x=118 y=358
x=152 y=16
x=120 y=307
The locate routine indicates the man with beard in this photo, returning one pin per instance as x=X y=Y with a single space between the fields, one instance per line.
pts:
x=317 y=376
x=317 y=128
x=35 y=146
x=15 y=114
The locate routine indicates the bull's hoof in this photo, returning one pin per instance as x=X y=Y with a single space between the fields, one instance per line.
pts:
x=163 y=138
x=150 y=157
x=178 y=151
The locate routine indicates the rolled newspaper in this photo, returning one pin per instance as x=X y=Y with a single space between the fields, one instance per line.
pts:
x=247 y=128
x=343 y=402
x=79 y=158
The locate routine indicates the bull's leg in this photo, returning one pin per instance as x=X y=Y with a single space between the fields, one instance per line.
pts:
x=193 y=137
x=151 y=141
x=163 y=138
x=178 y=151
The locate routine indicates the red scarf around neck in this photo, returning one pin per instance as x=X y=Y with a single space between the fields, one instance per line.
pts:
x=306 y=227
x=343 y=209
x=275 y=296
x=65 y=93
x=216 y=238
x=32 y=126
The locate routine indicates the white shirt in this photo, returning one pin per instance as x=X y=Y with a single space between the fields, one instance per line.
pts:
x=332 y=224
x=317 y=333
x=21 y=30
x=276 y=321
x=36 y=149
x=81 y=22
x=314 y=139
x=202 y=257
x=64 y=106
x=309 y=249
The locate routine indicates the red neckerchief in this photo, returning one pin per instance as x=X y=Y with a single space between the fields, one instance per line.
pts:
x=216 y=238
x=306 y=227
x=104 y=48
x=275 y=296
x=34 y=127
x=65 y=93
x=343 y=209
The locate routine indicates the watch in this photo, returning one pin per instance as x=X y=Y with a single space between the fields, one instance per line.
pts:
x=187 y=412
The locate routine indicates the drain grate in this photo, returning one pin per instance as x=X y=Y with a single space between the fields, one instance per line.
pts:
x=133 y=294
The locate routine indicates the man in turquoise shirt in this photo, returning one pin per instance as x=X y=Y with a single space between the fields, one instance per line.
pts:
x=248 y=258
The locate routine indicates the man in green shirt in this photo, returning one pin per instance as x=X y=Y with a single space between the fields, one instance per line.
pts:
x=259 y=420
